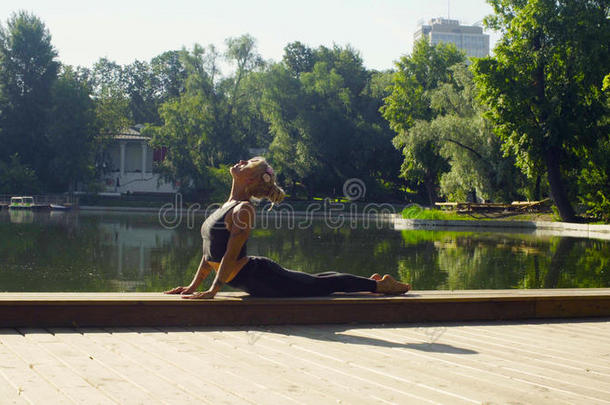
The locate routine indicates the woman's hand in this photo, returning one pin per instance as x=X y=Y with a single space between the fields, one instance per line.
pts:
x=181 y=290
x=201 y=295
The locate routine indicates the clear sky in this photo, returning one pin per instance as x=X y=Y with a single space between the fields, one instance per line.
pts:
x=382 y=30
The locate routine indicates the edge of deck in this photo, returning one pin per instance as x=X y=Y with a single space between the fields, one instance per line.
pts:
x=233 y=309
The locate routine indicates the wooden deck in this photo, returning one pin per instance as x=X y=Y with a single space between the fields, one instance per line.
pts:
x=536 y=362
x=231 y=309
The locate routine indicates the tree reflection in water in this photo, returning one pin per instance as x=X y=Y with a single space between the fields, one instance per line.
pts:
x=132 y=252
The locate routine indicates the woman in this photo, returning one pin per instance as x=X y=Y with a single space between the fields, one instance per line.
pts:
x=226 y=232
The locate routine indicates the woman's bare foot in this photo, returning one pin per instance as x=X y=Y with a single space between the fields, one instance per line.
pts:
x=390 y=286
x=375 y=276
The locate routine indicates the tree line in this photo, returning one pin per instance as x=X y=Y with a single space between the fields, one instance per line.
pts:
x=528 y=122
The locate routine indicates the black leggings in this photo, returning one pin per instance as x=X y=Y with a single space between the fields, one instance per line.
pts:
x=262 y=277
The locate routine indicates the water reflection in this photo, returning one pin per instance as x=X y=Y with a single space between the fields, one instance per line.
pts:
x=21 y=216
x=75 y=251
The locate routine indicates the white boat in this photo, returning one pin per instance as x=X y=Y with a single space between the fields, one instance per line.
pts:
x=58 y=207
x=22 y=203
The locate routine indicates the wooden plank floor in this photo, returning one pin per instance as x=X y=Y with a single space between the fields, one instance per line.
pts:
x=232 y=309
x=535 y=362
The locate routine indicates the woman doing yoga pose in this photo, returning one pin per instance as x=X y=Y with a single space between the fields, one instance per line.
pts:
x=226 y=232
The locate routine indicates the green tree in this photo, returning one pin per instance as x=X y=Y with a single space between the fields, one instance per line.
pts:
x=16 y=177
x=111 y=109
x=298 y=58
x=189 y=123
x=417 y=75
x=325 y=122
x=141 y=84
x=242 y=120
x=28 y=70
x=170 y=74
x=543 y=86
x=210 y=123
x=72 y=131
x=111 y=101
x=468 y=143
x=594 y=175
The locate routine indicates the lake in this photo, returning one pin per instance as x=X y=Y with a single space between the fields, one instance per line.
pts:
x=119 y=251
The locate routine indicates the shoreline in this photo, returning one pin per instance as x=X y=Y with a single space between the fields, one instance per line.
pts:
x=565 y=229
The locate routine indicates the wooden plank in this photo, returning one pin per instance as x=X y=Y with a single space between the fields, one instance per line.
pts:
x=222 y=373
x=262 y=371
x=480 y=384
x=302 y=371
x=495 y=370
x=564 y=383
x=204 y=382
x=237 y=377
x=153 y=298
x=403 y=379
x=25 y=368
x=506 y=350
x=573 y=353
x=115 y=386
x=10 y=391
x=416 y=377
x=81 y=310
x=118 y=358
x=366 y=387
x=452 y=359
x=499 y=362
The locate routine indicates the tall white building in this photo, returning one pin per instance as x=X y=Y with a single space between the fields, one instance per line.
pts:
x=469 y=38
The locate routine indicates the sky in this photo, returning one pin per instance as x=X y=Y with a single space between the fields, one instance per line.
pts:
x=123 y=31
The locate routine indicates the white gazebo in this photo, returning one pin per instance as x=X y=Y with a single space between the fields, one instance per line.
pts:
x=130 y=163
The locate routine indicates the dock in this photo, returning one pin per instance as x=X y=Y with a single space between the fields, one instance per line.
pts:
x=239 y=309
x=516 y=362
x=427 y=347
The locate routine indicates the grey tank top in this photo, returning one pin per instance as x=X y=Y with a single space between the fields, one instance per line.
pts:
x=216 y=235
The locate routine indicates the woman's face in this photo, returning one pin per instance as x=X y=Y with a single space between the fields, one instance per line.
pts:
x=244 y=169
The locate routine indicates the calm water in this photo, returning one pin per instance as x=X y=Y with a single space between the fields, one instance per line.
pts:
x=90 y=251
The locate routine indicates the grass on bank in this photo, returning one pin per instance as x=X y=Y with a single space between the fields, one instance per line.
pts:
x=418 y=212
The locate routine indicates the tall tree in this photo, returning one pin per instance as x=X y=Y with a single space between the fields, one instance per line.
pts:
x=242 y=54
x=28 y=69
x=469 y=144
x=417 y=75
x=325 y=121
x=298 y=58
x=208 y=124
x=543 y=86
x=170 y=73
x=72 y=132
x=594 y=175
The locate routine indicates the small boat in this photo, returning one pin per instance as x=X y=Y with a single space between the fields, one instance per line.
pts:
x=21 y=203
x=25 y=203
x=57 y=207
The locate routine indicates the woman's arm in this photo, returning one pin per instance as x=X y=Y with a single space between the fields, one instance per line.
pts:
x=202 y=272
x=241 y=222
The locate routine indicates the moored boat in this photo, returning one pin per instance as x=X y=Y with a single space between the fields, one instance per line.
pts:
x=58 y=207
x=25 y=203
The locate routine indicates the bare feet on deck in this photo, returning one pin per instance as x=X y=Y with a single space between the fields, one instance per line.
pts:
x=390 y=286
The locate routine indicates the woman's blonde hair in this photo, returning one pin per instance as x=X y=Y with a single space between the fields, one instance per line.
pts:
x=264 y=185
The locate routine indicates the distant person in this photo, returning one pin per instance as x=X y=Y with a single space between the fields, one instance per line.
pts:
x=226 y=231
